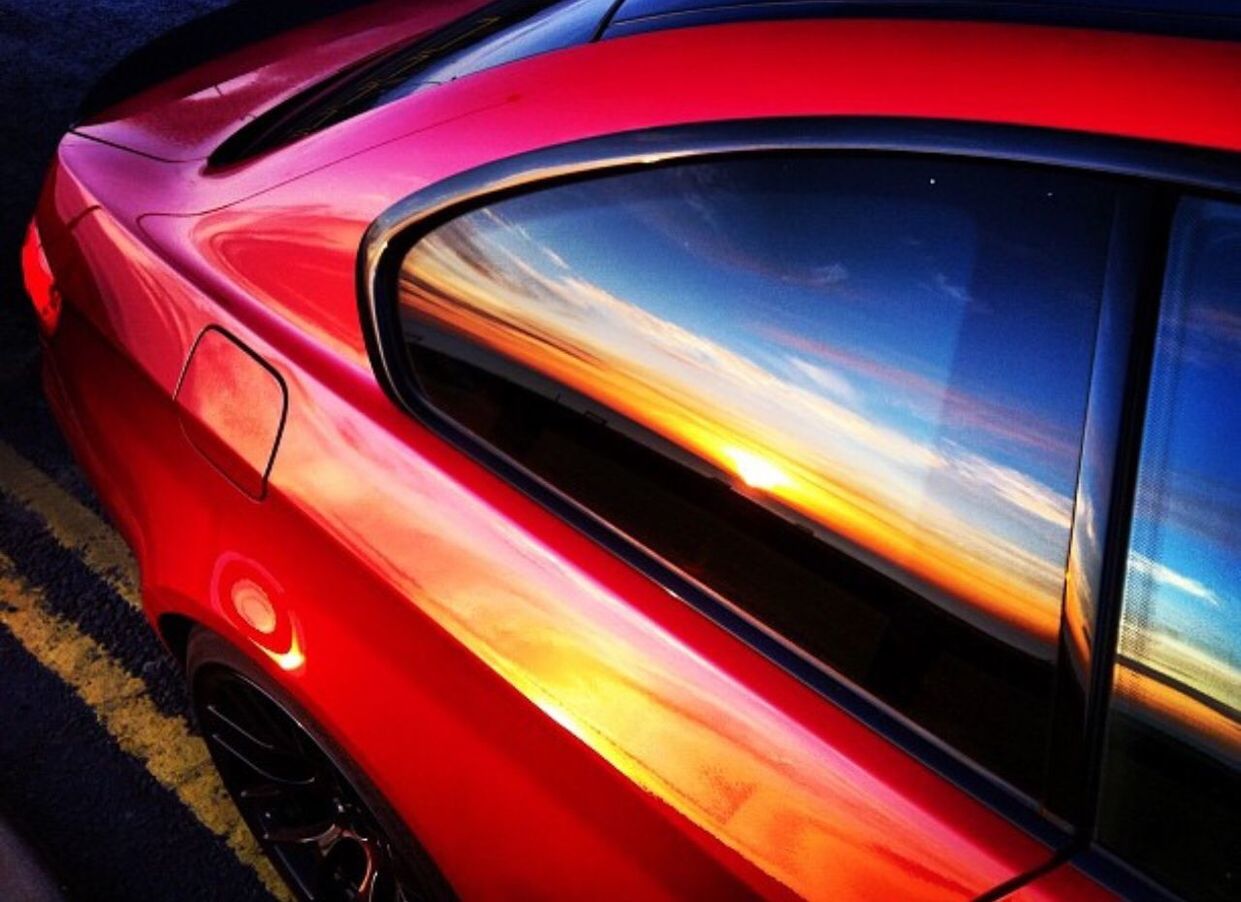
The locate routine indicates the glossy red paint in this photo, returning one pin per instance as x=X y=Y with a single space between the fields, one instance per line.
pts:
x=37 y=278
x=541 y=715
x=187 y=117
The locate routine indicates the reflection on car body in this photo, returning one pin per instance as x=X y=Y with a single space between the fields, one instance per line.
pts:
x=704 y=450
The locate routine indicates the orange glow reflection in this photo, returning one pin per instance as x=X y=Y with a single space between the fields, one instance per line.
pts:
x=781 y=795
x=815 y=457
x=290 y=660
x=756 y=471
x=1195 y=718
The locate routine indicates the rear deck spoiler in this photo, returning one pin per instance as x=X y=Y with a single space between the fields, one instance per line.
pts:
x=229 y=28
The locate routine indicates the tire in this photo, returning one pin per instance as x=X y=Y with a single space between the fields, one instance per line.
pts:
x=326 y=828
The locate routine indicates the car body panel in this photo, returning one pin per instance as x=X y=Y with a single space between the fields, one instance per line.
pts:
x=618 y=671
x=232 y=409
x=495 y=781
x=541 y=714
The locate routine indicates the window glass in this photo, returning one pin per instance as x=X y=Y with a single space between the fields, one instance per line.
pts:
x=499 y=32
x=845 y=393
x=563 y=24
x=1171 y=795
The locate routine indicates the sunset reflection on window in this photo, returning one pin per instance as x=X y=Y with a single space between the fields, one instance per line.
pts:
x=756 y=471
x=1172 y=769
x=895 y=369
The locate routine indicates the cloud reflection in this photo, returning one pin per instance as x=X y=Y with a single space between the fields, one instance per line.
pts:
x=1180 y=656
x=990 y=537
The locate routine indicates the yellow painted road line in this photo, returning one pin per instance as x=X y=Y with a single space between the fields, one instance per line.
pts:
x=72 y=524
x=163 y=743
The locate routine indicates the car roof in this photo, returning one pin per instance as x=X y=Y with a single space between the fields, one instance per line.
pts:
x=1219 y=19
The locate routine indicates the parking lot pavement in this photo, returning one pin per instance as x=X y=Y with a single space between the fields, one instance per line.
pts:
x=101 y=770
x=97 y=754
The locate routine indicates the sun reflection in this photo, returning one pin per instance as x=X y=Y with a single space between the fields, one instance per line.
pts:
x=253 y=606
x=755 y=470
x=987 y=537
x=294 y=658
x=785 y=792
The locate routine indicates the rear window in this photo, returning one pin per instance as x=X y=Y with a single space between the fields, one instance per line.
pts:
x=497 y=33
x=844 y=393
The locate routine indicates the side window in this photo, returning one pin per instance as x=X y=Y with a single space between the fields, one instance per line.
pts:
x=845 y=393
x=1171 y=802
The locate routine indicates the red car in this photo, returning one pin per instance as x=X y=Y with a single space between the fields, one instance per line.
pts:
x=683 y=448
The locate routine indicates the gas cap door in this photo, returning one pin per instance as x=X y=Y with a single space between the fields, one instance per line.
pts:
x=231 y=405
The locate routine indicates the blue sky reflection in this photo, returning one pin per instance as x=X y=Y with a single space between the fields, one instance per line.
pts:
x=905 y=366
x=1180 y=643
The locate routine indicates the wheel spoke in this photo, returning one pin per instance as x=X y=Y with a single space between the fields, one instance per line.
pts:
x=318 y=830
x=255 y=752
x=237 y=730
x=265 y=766
x=275 y=725
x=322 y=836
x=366 y=888
x=261 y=792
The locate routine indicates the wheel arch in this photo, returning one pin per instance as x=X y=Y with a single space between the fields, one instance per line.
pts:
x=174 y=630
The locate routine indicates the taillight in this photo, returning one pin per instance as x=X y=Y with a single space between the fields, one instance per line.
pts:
x=39 y=283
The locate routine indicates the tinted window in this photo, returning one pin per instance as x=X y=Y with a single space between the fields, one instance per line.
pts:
x=844 y=393
x=498 y=33
x=1172 y=797
x=563 y=24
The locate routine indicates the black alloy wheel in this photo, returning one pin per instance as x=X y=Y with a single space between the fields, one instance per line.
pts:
x=321 y=834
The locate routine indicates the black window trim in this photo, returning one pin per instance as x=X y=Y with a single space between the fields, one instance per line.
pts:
x=1163 y=171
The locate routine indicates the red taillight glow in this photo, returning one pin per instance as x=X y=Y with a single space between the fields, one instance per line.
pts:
x=37 y=275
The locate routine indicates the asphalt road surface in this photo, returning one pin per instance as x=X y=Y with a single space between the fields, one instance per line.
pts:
x=100 y=767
